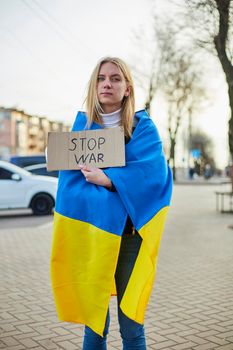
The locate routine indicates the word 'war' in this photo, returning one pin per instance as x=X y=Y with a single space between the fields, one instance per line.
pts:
x=88 y=158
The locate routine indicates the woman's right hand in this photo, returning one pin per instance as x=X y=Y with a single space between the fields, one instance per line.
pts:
x=95 y=176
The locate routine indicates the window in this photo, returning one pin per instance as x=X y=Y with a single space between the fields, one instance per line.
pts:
x=5 y=174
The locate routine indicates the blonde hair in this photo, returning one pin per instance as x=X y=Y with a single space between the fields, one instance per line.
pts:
x=93 y=106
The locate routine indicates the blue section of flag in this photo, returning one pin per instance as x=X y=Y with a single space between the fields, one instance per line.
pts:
x=143 y=186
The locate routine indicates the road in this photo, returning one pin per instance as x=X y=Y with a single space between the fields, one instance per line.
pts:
x=22 y=218
x=191 y=307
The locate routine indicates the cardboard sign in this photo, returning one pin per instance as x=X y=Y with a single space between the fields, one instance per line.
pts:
x=98 y=148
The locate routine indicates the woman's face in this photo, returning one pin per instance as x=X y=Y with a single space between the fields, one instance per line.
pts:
x=111 y=87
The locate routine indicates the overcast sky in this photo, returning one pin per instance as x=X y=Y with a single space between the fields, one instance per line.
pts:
x=49 y=49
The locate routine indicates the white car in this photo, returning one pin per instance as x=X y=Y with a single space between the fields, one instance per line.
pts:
x=20 y=189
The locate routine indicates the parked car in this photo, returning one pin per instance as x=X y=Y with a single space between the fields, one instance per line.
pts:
x=26 y=160
x=41 y=169
x=21 y=189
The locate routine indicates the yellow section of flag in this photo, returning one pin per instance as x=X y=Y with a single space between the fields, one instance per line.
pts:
x=83 y=263
x=138 y=290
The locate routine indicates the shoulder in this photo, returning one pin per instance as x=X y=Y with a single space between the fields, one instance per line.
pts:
x=80 y=121
x=145 y=124
x=142 y=117
x=81 y=114
x=142 y=113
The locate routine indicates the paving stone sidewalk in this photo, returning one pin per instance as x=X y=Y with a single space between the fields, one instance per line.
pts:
x=192 y=302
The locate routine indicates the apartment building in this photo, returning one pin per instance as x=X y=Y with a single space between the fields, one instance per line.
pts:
x=21 y=133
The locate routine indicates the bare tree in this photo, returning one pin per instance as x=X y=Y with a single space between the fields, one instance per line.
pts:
x=154 y=46
x=174 y=72
x=148 y=77
x=183 y=91
x=213 y=23
x=153 y=83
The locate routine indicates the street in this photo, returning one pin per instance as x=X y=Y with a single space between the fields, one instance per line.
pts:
x=22 y=218
x=191 y=306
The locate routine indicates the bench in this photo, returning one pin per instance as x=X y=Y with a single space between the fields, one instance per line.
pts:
x=221 y=199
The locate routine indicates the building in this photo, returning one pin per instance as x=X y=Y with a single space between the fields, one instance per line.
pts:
x=21 y=133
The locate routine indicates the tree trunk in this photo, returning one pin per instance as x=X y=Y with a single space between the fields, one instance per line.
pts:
x=147 y=106
x=150 y=97
x=172 y=156
x=220 y=45
x=230 y=130
x=228 y=70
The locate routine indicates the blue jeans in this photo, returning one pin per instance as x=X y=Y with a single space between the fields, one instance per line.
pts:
x=132 y=333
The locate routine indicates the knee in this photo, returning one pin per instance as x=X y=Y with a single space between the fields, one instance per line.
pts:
x=130 y=329
x=90 y=334
x=133 y=337
x=132 y=333
x=93 y=340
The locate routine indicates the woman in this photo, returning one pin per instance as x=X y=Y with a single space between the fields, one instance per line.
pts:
x=108 y=223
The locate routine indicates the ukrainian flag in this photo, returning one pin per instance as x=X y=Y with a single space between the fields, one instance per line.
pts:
x=88 y=224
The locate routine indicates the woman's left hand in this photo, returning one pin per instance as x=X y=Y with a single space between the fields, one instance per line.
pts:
x=95 y=176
